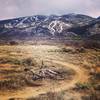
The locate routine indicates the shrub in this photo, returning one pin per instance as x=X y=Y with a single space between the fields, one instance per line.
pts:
x=10 y=60
x=49 y=96
x=13 y=43
x=83 y=85
x=28 y=62
x=91 y=44
x=66 y=50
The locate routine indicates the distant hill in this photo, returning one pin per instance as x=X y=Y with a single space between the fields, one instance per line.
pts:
x=70 y=25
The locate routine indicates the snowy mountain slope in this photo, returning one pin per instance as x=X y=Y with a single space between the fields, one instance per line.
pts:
x=40 y=25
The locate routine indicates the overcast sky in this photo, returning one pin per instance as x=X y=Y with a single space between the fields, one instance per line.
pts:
x=17 y=8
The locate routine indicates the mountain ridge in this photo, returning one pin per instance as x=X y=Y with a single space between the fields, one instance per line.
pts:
x=68 y=25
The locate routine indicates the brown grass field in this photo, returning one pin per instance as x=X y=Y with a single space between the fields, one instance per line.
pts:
x=49 y=72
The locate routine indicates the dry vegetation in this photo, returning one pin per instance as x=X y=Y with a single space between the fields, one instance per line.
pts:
x=42 y=68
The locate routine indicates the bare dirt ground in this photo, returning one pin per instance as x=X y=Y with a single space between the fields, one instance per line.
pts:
x=14 y=59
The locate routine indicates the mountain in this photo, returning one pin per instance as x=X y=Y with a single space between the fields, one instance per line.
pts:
x=92 y=29
x=69 y=25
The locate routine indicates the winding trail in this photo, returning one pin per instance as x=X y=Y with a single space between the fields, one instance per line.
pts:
x=80 y=76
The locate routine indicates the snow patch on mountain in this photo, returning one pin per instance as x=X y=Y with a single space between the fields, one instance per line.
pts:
x=58 y=26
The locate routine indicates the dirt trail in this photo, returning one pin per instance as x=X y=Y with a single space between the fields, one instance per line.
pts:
x=80 y=76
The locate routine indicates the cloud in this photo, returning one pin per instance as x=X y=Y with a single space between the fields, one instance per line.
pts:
x=17 y=8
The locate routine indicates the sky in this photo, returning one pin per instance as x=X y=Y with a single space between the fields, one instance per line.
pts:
x=19 y=8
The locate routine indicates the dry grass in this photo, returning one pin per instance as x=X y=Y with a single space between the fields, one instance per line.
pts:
x=49 y=96
x=15 y=59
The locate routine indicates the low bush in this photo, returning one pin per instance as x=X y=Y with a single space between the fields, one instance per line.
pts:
x=83 y=85
x=29 y=62
x=10 y=61
x=49 y=96
x=13 y=43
